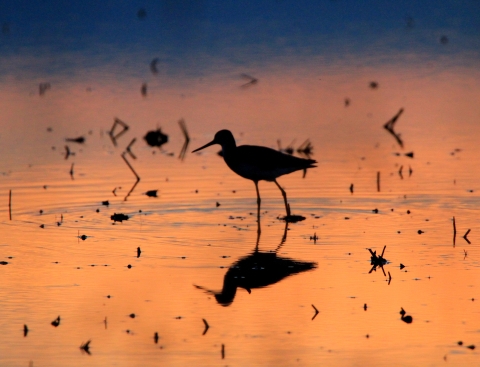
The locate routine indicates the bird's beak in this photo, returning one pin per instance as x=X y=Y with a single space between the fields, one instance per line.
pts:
x=205 y=146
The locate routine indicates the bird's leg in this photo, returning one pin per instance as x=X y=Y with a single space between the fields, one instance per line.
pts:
x=284 y=194
x=258 y=210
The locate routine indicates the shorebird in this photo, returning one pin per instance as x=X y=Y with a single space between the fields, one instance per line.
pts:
x=258 y=163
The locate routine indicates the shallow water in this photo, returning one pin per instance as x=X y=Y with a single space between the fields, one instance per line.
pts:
x=198 y=237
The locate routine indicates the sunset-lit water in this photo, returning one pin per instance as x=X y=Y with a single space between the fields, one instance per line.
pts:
x=198 y=237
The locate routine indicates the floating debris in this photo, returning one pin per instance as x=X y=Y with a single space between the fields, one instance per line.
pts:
x=378 y=181
x=155 y=138
x=365 y=307
x=155 y=337
x=85 y=347
x=132 y=315
x=373 y=85
x=465 y=237
x=79 y=140
x=143 y=89
x=105 y=202
x=151 y=193
x=3 y=262
x=407 y=319
x=139 y=252
x=377 y=261
x=305 y=149
x=83 y=237
x=347 y=102
x=223 y=351
x=118 y=217
x=409 y=154
x=71 y=171
x=56 y=322
x=314 y=238
x=25 y=330
x=351 y=188
x=316 y=312
x=292 y=218
x=288 y=150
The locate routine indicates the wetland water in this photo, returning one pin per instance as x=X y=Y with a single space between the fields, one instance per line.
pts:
x=64 y=256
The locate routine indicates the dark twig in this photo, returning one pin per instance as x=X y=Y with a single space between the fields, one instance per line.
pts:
x=465 y=237
x=223 y=351
x=206 y=326
x=378 y=181
x=129 y=151
x=112 y=134
x=135 y=173
x=183 y=127
x=71 y=171
x=400 y=172
x=10 y=204
x=454 y=231
x=316 y=312
x=389 y=126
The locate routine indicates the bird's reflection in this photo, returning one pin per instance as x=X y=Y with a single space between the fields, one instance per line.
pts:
x=258 y=270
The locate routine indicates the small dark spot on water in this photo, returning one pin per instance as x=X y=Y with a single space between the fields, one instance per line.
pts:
x=375 y=210
x=42 y=225
x=420 y=231
x=472 y=347
x=346 y=218
x=98 y=210
x=83 y=237
x=460 y=342
x=129 y=266
x=178 y=317
x=41 y=211
x=3 y=262
x=132 y=315
x=408 y=211
x=106 y=203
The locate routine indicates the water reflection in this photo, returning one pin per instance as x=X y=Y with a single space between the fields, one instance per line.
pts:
x=259 y=269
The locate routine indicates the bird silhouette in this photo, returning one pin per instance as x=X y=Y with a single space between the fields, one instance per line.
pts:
x=258 y=163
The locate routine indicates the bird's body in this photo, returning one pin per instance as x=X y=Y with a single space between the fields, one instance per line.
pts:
x=258 y=163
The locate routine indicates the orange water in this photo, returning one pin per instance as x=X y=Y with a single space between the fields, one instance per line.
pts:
x=186 y=240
